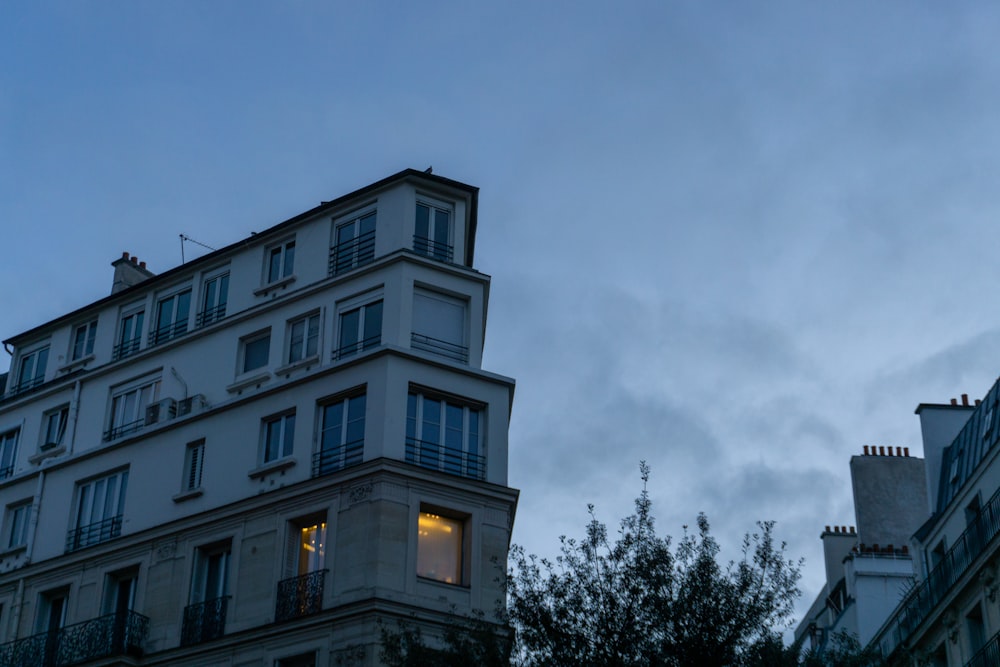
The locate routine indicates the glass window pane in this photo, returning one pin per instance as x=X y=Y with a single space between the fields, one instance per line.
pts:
x=333 y=424
x=423 y=221
x=289 y=259
x=373 y=322
x=349 y=323
x=256 y=352
x=439 y=548
x=431 y=431
x=289 y=435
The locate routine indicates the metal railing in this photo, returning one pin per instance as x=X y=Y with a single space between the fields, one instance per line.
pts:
x=94 y=533
x=165 y=333
x=332 y=459
x=352 y=254
x=28 y=385
x=300 y=596
x=210 y=315
x=354 y=348
x=6 y=471
x=204 y=621
x=125 y=348
x=435 y=249
x=440 y=347
x=988 y=655
x=124 y=429
x=436 y=456
x=921 y=601
x=116 y=634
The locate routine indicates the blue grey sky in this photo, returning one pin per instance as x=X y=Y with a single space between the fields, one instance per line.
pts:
x=736 y=240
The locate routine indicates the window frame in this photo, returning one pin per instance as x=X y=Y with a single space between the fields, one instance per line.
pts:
x=467 y=461
x=194 y=466
x=279 y=263
x=10 y=440
x=308 y=337
x=177 y=324
x=135 y=317
x=362 y=304
x=455 y=349
x=80 y=350
x=432 y=243
x=11 y=528
x=118 y=429
x=211 y=313
x=61 y=415
x=285 y=445
x=35 y=361
x=359 y=249
x=245 y=342
x=462 y=569
x=344 y=453
x=87 y=505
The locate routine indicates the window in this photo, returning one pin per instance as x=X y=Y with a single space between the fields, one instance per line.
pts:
x=439 y=325
x=8 y=452
x=83 y=341
x=360 y=329
x=280 y=261
x=342 y=435
x=354 y=243
x=54 y=427
x=443 y=434
x=100 y=504
x=303 y=338
x=171 y=317
x=256 y=350
x=214 y=297
x=433 y=231
x=51 y=616
x=279 y=434
x=976 y=628
x=205 y=617
x=16 y=525
x=31 y=370
x=301 y=592
x=194 y=456
x=129 y=335
x=440 y=547
x=128 y=408
x=119 y=592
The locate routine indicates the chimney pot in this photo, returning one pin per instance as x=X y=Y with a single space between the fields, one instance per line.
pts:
x=866 y=450
x=889 y=450
x=843 y=529
x=853 y=530
x=836 y=529
x=899 y=451
x=125 y=255
x=142 y=265
x=954 y=401
x=965 y=399
x=881 y=450
x=978 y=401
x=827 y=529
x=906 y=451
x=135 y=260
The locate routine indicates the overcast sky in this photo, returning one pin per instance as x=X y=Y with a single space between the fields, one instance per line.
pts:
x=736 y=240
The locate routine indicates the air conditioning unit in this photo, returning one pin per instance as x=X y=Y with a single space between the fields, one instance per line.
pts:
x=160 y=412
x=191 y=404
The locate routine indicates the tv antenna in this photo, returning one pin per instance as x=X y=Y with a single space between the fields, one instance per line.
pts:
x=185 y=237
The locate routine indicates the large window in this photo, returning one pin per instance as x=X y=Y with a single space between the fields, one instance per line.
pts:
x=8 y=452
x=303 y=338
x=301 y=592
x=255 y=351
x=278 y=437
x=280 y=262
x=433 y=231
x=100 y=504
x=444 y=434
x=440 y=547
x=171 y=317
x=439 y=325
x=360 y=329
x=31 y=370
x=83 y=341
x=354 y=243
x=205 y=617
x=15 y=532
x=214 y=297
x=128 y=408
x=342 y=435
x=129 y=334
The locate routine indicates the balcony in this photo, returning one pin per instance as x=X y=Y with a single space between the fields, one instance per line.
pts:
x=118 y=634
x=436 y=456
x=439 y=347
x=204 y=621
x=125 y=348
x=27 y=385
x=168 y=332
x=354 y=348
x=94 y=533
x=210 y=315
x=300 y=596
x=352 y=254
x=332 y=459
x=988 y=655
x=430 y=248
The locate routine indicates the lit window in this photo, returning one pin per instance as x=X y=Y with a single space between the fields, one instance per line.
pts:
x=278 y=435
x=8 y=452
x=439 y=548
x=433 y=231
x=31 y=370
x=303 y=338
x=443 y=434
x=100 y=504
x=16 y=525
x=354 y=244
x=214 y=297
x=83 y=341
x=280 y=261
x=171 y=317
x=256 y=351
x=360 y=329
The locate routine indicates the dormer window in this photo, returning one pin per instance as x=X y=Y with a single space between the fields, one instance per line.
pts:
x=354 y=242
x=31 y=370
x=432 y=235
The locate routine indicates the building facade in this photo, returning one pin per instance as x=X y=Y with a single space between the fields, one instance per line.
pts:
x=262 y=456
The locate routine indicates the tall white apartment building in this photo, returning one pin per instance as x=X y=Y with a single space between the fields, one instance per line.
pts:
x=257 y=456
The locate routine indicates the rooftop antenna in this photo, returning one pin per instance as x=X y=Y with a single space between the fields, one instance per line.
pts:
x=185 y=237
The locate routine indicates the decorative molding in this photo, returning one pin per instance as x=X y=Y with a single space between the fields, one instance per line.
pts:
x=360 y=493
x=165 y=550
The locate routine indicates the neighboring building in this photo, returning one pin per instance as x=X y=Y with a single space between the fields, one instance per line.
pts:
x=259 y=456
x=869 y=568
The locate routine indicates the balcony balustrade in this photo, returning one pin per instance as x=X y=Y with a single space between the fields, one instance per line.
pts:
x=210 y=315
x=125 y=348
x=204 y=621
x=988 y=655
x=437 y=456
x=354 y=348
x=432 y=248
x=94 y=533
x=168 y=332
x=300 y=596
x=439 y=347
x=352 y=254
x=117 y=634
x=332 y=459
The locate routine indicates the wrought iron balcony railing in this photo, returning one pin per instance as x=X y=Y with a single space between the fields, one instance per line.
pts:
x=440 y=347
x=94 y=533
x=125 y=348
x=116 y=634
x=435 y=249
x=210 y=315
x=124 y=429
x=204 y=621
x=436 y=456
x=352 y=254
x=300 y=596
x=988 y=655
x=332 y=459
x=354 y=348
x=168 y=332
x=28 y=385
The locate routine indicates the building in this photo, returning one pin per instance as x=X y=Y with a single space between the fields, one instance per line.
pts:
x=256 y=457
x=868 y=568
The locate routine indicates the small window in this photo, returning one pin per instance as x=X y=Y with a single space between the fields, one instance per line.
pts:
x=439 y=325
x=256 y=351
x=171 y=317
x=8 y=452
x=278 y=437
x=128 y=408
x=129 y=334
x=440 y=547
x=303 y=338
x=354 y=243
x=214 y=297
x=433 y=231
x=100 y=505
x=54 y=427
x=360 y=329
x=194 y=456
x=15 y=532
x=280 y=261
x=83 y=340
x=31 y=369
x=342 y=435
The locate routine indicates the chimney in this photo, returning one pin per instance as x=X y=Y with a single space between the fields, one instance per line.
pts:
x=965 y=400
x=128 y=272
